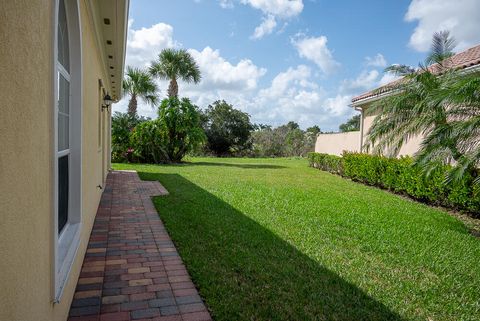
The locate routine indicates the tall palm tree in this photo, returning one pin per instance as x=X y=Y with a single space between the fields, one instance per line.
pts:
x=175 y=64
x=138 y=83
x=416 y=105
x=439 y=102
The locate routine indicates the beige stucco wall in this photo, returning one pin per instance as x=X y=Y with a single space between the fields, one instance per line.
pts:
x=26 y=159
x=336 y=143
x=408 y=149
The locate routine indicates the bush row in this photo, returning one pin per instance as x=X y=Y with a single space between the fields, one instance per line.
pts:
x=400 y=176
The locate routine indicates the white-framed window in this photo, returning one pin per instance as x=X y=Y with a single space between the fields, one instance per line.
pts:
x=67 y=141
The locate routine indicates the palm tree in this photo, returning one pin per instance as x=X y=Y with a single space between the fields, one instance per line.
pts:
x=416 y=105
x=175 y=64
x=438 y=102
x=138 y=83
x=463 y=95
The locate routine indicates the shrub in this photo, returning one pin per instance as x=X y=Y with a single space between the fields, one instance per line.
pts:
x=122 y=127
x=148 y=141
x=400 y=176
x=326 y=162
x=176 y=132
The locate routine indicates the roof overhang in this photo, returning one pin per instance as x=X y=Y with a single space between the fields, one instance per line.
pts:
x=109 y=19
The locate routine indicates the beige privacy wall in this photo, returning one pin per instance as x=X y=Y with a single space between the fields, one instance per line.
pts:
x=408 y=149
x=336 y=143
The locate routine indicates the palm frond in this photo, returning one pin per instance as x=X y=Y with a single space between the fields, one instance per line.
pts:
x=140 y=83
x=441 y=48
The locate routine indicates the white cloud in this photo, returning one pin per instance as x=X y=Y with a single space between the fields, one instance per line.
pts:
x=288 y=80
x=218 y=73
x=143 y=45
x=338 y=105
x=377 y=61
x=293 y=95
x=272 y=10
x=316 y=50
x=365 y=81
x=265 y=28
x=387 y=78
x=460 y=17
x=279 y=8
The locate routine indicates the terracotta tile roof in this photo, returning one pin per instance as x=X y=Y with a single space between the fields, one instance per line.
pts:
x=462 y=60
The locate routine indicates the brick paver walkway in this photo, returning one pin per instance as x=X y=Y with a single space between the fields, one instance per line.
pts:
x=132 y=270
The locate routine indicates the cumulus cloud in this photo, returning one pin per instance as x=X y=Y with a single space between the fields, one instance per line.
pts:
x=144 y=44
x=387 y=78
x=218 y=73
x=339 y=105
x=365 y=81
x=377 y=61
x=460 y=17
x=284 y=80
x=279 y=8
x=272 y=10
x=316 y=50
x=265 y=28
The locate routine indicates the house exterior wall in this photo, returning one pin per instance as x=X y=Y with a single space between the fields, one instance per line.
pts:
x=27 y=158
x=408 y=149
x=336 y=143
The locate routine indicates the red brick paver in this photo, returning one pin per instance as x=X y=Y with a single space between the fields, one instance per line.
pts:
x=131 y=269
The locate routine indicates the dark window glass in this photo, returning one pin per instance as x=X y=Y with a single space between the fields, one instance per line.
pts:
x=63 y=45
x=62 y=192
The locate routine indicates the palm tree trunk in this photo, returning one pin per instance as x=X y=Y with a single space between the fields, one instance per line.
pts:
x=132 y=105
x=173 y=88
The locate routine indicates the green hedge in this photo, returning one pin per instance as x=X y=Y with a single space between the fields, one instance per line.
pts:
x=326 y=162
x=399 y=176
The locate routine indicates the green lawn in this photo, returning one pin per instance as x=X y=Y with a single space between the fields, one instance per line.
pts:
x=272 y=239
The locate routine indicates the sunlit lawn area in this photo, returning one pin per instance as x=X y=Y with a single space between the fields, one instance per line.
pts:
x=272 y=239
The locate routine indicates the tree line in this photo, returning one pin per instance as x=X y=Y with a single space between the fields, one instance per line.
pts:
x=220 y=130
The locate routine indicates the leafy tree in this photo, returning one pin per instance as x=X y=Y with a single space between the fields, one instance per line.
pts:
x=139 y=84
x=227 y=129
x=291 y=125
x=295 y=142
x=311 y=134
x=122 y=126
x=285 y=140
x=440 y=103
x=176 y=132
x=261 y=126
x=353 y=124
x=314 y=130
x=268 y=143
x=173 y=64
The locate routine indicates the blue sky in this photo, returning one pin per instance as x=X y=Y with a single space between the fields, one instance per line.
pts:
x=282 y=60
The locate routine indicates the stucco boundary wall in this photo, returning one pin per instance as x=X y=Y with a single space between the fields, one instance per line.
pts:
x=336 y=143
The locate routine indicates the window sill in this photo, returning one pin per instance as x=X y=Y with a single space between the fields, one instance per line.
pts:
x=68 y=242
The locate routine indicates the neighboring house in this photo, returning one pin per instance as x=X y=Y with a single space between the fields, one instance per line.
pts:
x=59 y=59
x=336 y=143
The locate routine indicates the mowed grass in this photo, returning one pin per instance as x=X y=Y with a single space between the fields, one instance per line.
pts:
x=272 y=239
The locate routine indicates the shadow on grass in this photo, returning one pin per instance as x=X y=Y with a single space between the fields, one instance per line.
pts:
x=246 y=272
x=251 y=166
